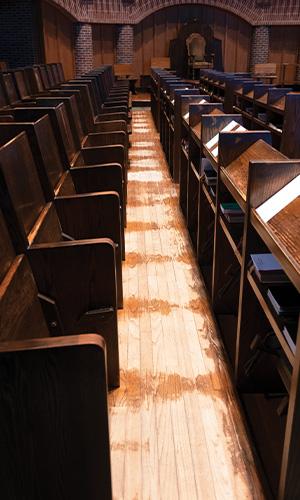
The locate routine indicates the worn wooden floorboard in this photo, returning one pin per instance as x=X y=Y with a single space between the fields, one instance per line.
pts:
x=176 y=429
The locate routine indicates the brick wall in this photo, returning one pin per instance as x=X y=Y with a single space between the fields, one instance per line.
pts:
x=20 y=37
x=83 y=47
x=118 y=11
x=125 y=44
x=260 y=45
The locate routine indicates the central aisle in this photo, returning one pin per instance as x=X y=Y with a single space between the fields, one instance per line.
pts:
x=176 y=431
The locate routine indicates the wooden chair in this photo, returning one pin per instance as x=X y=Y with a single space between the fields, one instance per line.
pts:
x=73 y=262
x=196 y=45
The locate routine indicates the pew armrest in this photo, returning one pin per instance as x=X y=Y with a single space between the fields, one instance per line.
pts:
x=105 y=139
x=101 y=154
x=111 y=126
x=114 y=109
x=111 y=116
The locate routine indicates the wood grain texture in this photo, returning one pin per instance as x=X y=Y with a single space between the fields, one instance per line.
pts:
x=7 y=253
x=22 y=197
x=58 y=38
x=284 y=47
x=153 y=35
x=237 y=171
x=286 y=226
x=20 y=311
x=176 y=430
x=54 y=420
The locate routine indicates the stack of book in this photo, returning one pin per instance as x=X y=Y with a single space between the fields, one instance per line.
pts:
x=232 y=212
x=267 y=268
x=210 y=175
x=285 y=299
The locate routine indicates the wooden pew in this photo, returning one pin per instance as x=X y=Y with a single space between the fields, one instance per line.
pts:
x=101 y=138
x=28 y=92
x=54 y=179
x=38 y=374
x=109 y=207
x=70 y=155
x=94 y=121
x=117 y=105
x=73 y=264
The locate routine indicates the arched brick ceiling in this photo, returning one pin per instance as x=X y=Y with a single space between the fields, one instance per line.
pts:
x=255 y=12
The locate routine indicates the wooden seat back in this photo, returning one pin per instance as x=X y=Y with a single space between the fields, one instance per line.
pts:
x=96 y=98
x=55 y=73
x=8 y=84
x=60 y=124
x=44 y=76
x=61 y=73
x=20 y=310
x=21 y=84
x=3 y=98
x=86 y=101
x=7 y=253
x=34 y=81
x=45 y=151
x=50 y=75
x=72 y=112
x=54 y=419
x=22 y=199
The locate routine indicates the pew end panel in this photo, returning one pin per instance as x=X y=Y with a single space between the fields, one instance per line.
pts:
x=94 y=215
x=95 y=178
x=56 y=390
x=81 y=278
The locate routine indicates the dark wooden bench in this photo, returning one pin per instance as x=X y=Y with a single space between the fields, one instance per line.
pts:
x=73 y=262
x=55 y=180
x=53 y=396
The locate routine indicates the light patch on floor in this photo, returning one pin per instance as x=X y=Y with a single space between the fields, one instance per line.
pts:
x=176 y=429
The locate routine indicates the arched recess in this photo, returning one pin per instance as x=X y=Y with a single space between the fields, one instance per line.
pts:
x=153 y=34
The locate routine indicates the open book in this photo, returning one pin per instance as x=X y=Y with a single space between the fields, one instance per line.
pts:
x=279 y=200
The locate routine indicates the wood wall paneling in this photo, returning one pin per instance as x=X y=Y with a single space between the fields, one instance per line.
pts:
x=153 y=34
x=104 y=44
x=284 y=48
x=58 y=38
